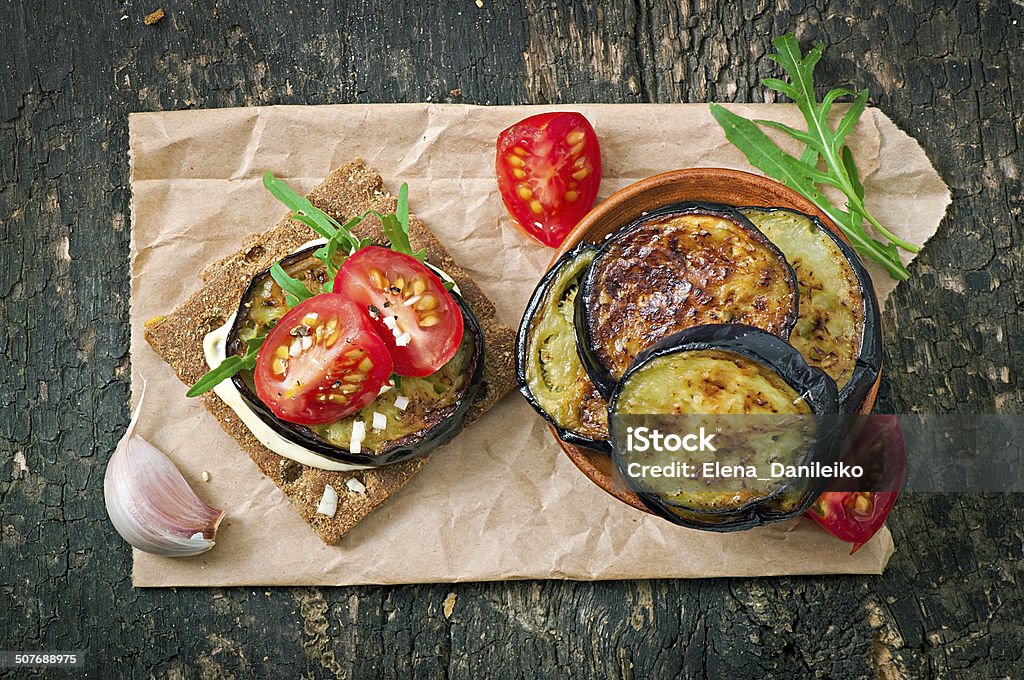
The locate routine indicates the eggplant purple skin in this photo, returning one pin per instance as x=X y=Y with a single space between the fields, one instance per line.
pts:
x=532 y=308
x=599 y=374
x=817 y=388
x=869 y=359
x=420 y=444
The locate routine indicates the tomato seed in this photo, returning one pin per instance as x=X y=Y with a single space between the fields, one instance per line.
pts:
x=574 y=137
x=426 y=303
x=525 y=192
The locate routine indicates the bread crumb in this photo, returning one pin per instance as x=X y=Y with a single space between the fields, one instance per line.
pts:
x=153 y=17
x=449 y=605
x=479 y=3
x=206 y=476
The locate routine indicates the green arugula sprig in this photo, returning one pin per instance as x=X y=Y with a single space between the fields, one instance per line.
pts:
x=232 y=364
x=294 y=290
x=394 y=225
x=823 y=145
x=339 y=236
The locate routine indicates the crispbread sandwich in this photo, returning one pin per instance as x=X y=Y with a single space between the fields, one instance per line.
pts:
x=486 y=353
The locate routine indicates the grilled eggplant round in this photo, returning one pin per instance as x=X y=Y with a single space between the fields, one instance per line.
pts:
x=680 y=266
x=548 y=369
x=437 y=404
x=838 y=328
x=762 y=401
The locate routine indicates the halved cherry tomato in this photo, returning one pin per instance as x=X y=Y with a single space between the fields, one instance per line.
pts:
x=413 y=313
x=321 y=362
x=855 y=516
x=549 y=171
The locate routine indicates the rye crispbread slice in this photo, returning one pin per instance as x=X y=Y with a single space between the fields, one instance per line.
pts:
x=178 y=339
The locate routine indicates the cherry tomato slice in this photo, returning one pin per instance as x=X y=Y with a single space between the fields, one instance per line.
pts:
x=855 y=516
x=413 y=313
x=321 y=362
x=549 y=171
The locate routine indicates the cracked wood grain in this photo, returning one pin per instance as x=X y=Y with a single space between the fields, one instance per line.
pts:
x=950 y=603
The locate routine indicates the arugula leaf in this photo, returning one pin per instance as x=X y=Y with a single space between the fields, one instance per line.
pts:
x=295 y=291
x=229 y=367
x=339 y=236
x=316 y=219
x=302 y=209
x=822 y=145
x=396 y=226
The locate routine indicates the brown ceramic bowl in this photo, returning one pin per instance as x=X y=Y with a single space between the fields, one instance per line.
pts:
x=716 y=185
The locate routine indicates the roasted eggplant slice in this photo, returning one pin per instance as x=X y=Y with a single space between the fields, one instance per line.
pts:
x=421 y=413
x=764 y=405
x=680 y=266
x=838 y=328
x=548 y=368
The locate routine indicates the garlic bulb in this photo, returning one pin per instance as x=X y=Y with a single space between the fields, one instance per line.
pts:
x=150 y=503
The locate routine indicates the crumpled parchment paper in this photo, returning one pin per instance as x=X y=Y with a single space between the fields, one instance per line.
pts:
x=501 y=501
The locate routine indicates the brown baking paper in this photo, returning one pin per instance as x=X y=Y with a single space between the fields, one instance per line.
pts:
x=501 y=501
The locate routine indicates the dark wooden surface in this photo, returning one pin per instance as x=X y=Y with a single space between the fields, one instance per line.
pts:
x=950 y=604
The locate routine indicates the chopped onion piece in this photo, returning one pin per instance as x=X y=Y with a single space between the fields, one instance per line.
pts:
x=403 y=339
x=401 y=402
x=380 y=421
x=355 y=486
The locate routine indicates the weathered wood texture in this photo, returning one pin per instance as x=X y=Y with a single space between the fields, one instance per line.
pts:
x=950 y=604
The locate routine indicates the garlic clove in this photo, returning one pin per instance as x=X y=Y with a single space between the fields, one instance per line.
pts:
x=150 y=503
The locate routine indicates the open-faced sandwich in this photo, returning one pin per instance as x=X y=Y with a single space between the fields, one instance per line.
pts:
x=339 y=347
